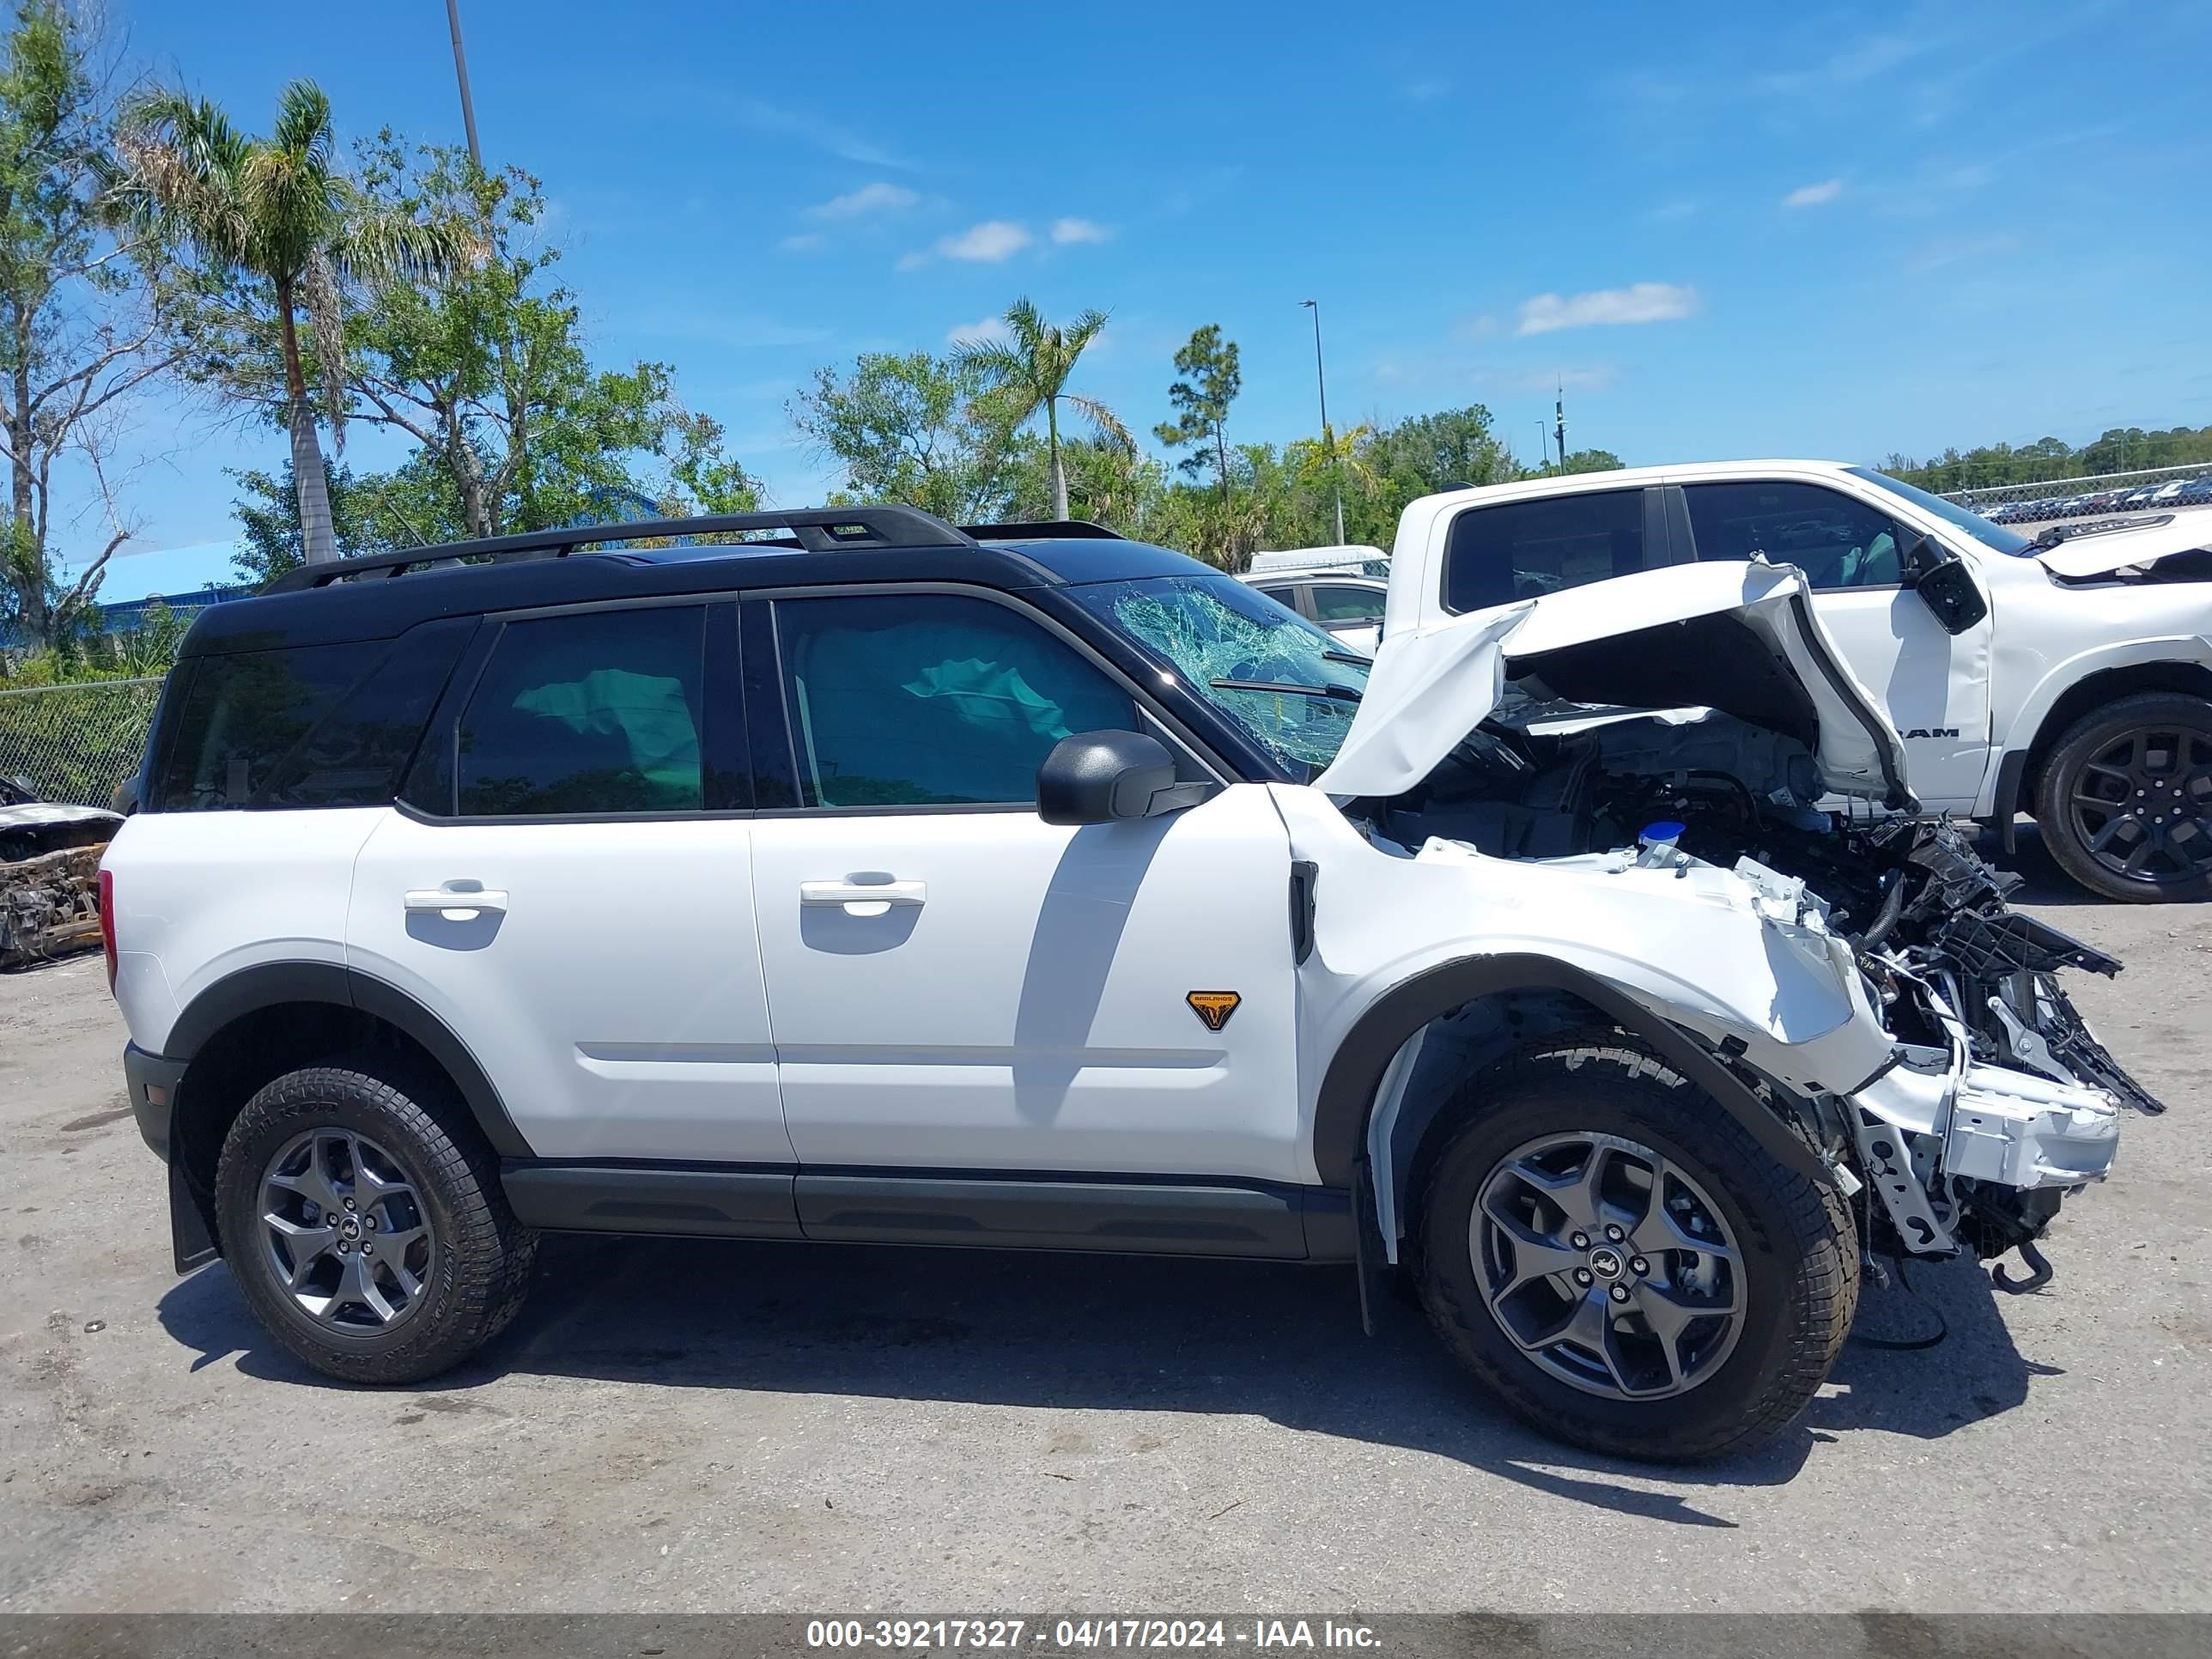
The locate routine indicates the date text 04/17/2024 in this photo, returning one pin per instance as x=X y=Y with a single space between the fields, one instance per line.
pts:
x=1082 y=1635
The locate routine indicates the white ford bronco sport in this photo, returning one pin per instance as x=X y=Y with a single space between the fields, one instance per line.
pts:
x=1024 y=886
x=2068 y=676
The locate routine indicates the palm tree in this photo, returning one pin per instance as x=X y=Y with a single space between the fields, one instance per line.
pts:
x=1030 y=372
x=278 y=210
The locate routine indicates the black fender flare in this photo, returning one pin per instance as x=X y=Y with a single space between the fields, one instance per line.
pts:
x=1354 y=1077
x=267 y=984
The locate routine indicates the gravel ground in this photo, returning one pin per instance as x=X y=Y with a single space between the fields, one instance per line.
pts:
x=724 y=1426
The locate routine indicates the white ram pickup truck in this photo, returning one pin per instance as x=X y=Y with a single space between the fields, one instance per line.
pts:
x=2068 y=676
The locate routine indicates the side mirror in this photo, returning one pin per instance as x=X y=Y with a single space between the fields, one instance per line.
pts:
x=1945 y=586
x=1102 y=777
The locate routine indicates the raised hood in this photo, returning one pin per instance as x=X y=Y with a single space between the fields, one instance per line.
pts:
x=2101 y=553
x=1738 y=637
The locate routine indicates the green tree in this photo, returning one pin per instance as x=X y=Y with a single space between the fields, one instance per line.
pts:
x=285 y=229
x=484 y=363
x=82 y=311
x=1028 y=375
x=914 y=428
x=370 y=512
x=1211 y=379
x=1590 y=460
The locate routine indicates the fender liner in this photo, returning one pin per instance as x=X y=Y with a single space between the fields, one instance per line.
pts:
x=1349 y=1087
x=267 y=984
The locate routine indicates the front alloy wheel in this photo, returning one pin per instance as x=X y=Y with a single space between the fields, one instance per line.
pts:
x=1608 y=1266
x=1621 y=1261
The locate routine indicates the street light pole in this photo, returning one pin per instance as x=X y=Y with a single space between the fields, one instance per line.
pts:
x=461 y=73
x=1328 y=437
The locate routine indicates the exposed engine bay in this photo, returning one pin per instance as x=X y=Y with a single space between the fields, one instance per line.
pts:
x=1962 y=981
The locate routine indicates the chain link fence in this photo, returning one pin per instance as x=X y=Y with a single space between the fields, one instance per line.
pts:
x=76 y=742
x=2155 y=489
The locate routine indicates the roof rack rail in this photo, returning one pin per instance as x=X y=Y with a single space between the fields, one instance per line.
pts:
x=818 y=530
x=1045 y=529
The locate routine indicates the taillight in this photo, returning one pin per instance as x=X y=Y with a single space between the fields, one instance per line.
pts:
x=107 y=925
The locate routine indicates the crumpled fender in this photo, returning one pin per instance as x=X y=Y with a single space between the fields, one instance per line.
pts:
x=1701 y=951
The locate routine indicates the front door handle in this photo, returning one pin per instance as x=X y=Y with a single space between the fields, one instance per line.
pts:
x=863 y=898
x=455 y=902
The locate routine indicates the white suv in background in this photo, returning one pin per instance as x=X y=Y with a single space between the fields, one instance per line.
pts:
x=2067 y=676
x=1341 y=589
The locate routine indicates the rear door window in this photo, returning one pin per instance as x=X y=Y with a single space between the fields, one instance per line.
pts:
x=1525 y=550
x=592 y=713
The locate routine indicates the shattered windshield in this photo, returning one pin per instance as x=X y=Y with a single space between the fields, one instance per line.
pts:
x=1290 y=686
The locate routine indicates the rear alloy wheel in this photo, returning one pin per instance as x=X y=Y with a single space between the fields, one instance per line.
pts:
x=2125 y=799
x=364 y=1219
x=1615 y=1256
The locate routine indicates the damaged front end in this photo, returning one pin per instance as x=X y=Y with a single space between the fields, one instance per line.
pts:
x=1722 y=737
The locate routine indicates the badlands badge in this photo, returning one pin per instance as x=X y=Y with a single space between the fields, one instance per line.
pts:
x=1214 y=1007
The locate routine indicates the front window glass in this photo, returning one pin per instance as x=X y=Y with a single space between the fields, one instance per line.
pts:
x=931 y=699
x=1837 y=540
x=1288 y=684
x=1993 y=536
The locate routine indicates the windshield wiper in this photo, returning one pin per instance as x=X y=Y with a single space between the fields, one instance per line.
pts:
x=1351 y=657
x=1340 y=693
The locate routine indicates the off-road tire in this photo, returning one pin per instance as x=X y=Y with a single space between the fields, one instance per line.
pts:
x=1799 y=1245
x=484 y=1255
x=2082 y=743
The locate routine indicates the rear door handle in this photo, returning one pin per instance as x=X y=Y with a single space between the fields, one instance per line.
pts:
x=454 y=902
x=863 y=898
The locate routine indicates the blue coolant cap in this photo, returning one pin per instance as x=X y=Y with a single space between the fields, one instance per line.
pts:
x=1665 y=830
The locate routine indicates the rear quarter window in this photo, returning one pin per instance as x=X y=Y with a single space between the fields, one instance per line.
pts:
x=243 y=713
x=1525 y=550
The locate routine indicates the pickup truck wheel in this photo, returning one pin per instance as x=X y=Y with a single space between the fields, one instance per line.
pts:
x=2125 y=799
x=365 y=1222
x=1623 y=1266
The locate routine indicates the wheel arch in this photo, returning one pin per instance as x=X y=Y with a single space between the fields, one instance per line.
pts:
x=2020 y=772
x=1531 y=998
x=264 y=1021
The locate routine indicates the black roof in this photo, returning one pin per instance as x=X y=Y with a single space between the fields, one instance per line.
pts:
x=382 y=595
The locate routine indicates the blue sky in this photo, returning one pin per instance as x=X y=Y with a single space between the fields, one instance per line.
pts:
x=1730 y=229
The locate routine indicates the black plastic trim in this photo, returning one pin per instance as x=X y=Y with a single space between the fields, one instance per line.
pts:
x=699 y=1201
x=2005 y=807
x=1126 y=1217
x=270 y=983
x=1023 y=1209
x=1304 y=874
x=143 y=1073
x=1355 y=1073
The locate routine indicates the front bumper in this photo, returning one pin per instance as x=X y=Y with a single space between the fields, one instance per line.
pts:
x=151 y=1081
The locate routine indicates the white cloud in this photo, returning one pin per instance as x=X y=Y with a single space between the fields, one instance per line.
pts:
x=1079 y=230
x=1807 y=195
x=879 y=198
x=805 y=242
x=989 y=331
x=764 y=117
x=985 y=244
x=1640 y=303
x=1956 y=250
x=1669 y=212
x=1426 y=91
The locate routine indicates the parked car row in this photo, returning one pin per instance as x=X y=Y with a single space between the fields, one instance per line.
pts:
x=2150 y=497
